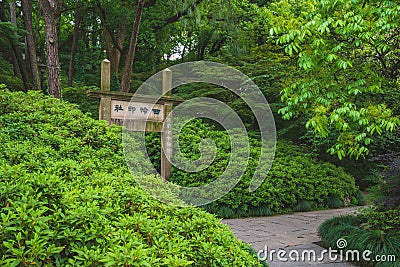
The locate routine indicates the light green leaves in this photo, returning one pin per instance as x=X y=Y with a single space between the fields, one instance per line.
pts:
x=346 y=58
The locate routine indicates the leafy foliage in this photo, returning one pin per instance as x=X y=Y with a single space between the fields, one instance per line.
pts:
x=385 y=221
x=8 y=78
x=78 y=95
x=389 y=186
x=370 y=230
x=293 y=178
x=347 y=54
x=67 y=198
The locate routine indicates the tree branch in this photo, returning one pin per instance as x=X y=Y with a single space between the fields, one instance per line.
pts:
x=110 y=32
x=177 y=16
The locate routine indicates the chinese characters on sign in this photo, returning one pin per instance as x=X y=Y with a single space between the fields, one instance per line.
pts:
x=167 y=137
x=136 y=111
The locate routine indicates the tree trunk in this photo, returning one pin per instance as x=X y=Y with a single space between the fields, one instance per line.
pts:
x=17 y=71
x=30 y=43
x=74 y=47
x=13 y=19
x=51 y=10
x=114 y=44
x=114 y=47
x=120 y=43
x=13 y=13
x=16 y=54
x=126 y=78
x=109 y=47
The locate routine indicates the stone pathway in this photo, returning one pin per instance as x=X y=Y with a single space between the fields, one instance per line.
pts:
x=293 y=233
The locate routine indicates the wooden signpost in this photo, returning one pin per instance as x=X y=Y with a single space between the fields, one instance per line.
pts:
x=144 y=113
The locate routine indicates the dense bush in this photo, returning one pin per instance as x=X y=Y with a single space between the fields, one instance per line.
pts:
x=376 y=229
x=369 y=230
x=67 y=199
x=388 y=188
x=7 y=76
x=78 y=95
x=387 y=221
x=295 y=181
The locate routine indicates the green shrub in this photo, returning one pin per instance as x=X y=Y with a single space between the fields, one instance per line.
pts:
x=387 y=222
x=78 y=95
x=360 y=198
x=333 y=229
x=333 y=201
x=295 y=182
x=303 y=205
x=369 y=230
x=8 y=78
x=67 y=198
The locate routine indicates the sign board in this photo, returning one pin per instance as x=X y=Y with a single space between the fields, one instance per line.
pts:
x=141 y=114
x=136 y=111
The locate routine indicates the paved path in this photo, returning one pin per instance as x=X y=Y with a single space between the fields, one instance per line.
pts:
x=292 y=232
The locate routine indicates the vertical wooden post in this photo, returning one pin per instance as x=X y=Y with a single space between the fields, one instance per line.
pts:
x=167 y=82
x=166 y=134
x=105 y=102
x=105 y=75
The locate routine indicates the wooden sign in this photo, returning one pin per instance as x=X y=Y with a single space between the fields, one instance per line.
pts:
x=136 y=111
x=144 y=113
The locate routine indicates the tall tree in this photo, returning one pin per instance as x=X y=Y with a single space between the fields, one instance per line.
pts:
x=31 y=43
x=115 y=18
x=51 y=10
x=114 y=46
x=13 y=39
x=13 y=12
x=126 y=78
x=4 y=19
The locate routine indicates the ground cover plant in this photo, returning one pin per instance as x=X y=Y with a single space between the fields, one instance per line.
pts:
x=377 y=231
x=67 y=199
x=296 y=182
